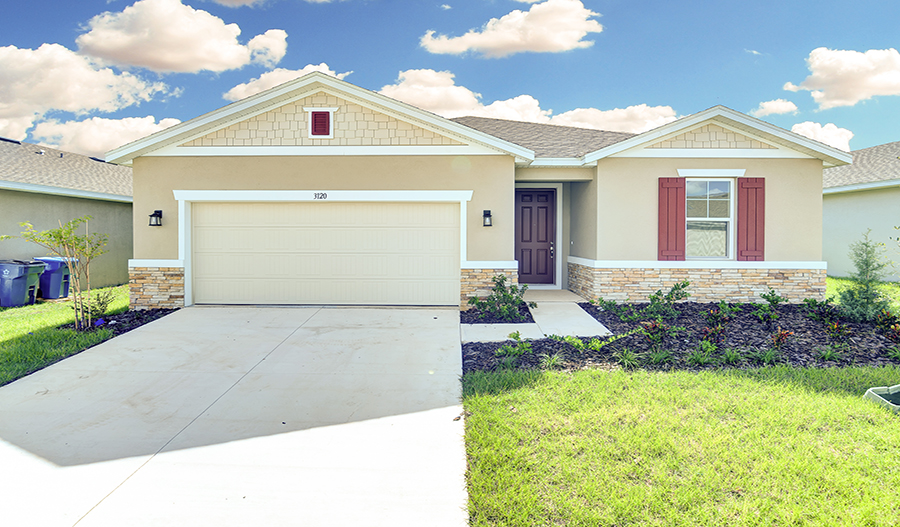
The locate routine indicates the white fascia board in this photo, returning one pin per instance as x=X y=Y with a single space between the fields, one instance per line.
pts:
x=67 y=192
x=715 y=153
x=694 y=264
x=299 y=151
x=711 y=172
x=559 y=162
x=863 y=186
x=676 y=127
x=178 y=264
x=278 y=96
x=423 y=196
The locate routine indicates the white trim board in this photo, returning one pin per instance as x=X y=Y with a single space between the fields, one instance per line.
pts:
x=496 y=264
x=298 y=151
x=694 y=264
x=66 y=192
x=156 y=263
x=186 y=197
x=863 y=186
x=558 y=187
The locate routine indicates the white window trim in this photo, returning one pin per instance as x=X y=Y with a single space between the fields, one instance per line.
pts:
x=695 y=264
x=186 y=197
x=557 y=276
x=732 y=220
x=309 y=122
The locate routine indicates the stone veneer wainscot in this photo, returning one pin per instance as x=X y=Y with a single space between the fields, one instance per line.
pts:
x=156 y=287
x=479 y=282
x=707 y=285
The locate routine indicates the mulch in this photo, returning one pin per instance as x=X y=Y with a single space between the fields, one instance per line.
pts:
x=865 y=345
x=475 y=316
x=125 y=322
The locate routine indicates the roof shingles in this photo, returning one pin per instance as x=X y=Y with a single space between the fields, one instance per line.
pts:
x=40 y=165
x=870 y=165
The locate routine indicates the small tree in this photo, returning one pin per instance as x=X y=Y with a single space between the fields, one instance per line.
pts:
x=862 y=302
x=79 y=250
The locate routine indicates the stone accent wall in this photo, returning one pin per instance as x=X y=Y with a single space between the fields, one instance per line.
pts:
x=707 y=285
x=156 y=287
x=711 y=136
x=353 y=125
x=479 y=282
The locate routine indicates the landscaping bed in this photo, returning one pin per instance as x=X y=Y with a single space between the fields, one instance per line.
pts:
x=124 y=322
x=744 y=342
x=476 y=316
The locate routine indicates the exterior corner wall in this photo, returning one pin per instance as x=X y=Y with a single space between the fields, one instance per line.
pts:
x=479 y=282
x=707 y=285
x=848 y=215
x=156 y=287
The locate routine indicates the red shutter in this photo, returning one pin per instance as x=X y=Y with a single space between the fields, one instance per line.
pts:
x=671 y=218
x=321 y=123
x=751 y=224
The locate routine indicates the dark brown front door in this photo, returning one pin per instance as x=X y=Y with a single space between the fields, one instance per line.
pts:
x=536 y=235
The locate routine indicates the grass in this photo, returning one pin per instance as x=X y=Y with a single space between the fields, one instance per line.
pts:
x=30 y=341
x=771 y=446
x=890 y=290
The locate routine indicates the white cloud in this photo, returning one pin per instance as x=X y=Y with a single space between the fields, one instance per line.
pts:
x=273 y=78
x=238 y=3
x=776 y=107
x=436 y=91
x=52 y=77
x=168 y=36
x=844 y=78
x=752 y=52
x=445 y=7
x=551 y=26
x=829 y=134
x=96 y=136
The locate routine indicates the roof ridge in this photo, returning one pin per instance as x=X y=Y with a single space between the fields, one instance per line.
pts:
x=541 y=124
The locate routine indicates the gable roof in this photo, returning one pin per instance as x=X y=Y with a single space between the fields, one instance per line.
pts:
x=772 y=134
x=546 y=140
x=34 y=168
x=872 y=167
x=298 y=89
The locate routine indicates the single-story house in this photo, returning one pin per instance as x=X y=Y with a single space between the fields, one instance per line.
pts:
x=320 y=192
x=859 y=197
x=46 y=186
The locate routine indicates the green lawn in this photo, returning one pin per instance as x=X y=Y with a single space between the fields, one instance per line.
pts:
x=30 y=341
x=775 y=446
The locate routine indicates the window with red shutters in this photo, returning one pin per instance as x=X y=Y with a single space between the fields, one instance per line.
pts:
x=321 y=123
x=751 y=224
x=671 y=219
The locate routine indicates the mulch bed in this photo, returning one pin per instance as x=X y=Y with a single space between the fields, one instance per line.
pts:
x=125 y=322
x=475 y=316
x=866 y=345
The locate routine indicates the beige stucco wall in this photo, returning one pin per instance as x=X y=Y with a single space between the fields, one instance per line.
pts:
x=583 y=218
x=627 y=205
x=46 y=211
x=847 y=215
x=490 y=177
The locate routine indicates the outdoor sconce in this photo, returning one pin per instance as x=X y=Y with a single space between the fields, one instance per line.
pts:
x=156 y=218
x=486 y=218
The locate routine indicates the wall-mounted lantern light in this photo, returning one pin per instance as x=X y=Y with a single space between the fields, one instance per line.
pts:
x=156 y=218
x=486 y=218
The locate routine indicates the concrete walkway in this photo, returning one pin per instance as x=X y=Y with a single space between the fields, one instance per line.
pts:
x=244 y=416
x=558 y=313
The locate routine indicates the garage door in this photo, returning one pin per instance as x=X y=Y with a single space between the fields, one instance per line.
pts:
x=325 y=253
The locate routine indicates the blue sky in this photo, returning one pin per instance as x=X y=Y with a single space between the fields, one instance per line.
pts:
x=87 y=76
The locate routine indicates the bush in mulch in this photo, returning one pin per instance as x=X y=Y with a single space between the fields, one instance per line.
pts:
x=749 y=336
x=125 y=322
x=477 y=316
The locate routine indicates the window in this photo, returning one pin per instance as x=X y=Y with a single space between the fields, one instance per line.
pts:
x=321 y=122
x=709 y=223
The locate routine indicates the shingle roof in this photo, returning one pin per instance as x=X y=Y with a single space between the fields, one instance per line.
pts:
x=546 y=140
x=870 y=165
x=40 y=165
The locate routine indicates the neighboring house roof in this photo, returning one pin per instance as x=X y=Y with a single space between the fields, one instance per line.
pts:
x=34 y=168
x=546 y=140
x=874 y=167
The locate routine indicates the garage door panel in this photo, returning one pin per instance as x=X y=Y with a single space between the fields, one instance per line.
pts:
x=326 y=253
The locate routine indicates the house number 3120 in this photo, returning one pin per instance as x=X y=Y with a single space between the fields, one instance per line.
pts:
x=320 y=195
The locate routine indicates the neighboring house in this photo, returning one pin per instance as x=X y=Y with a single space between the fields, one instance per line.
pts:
x=320 y=192
x=46 y=186
x=859 y=197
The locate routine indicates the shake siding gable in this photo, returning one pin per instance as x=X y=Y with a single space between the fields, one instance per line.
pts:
x=671 y=219
x=751 y=219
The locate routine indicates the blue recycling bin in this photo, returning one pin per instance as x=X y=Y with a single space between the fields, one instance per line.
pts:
x=19 y=282
x=55 y=278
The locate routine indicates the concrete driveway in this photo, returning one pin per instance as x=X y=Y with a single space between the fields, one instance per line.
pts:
x=244 y=416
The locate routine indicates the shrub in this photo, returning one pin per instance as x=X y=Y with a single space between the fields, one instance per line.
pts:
x=821 y=311
x=503 y=302
x=627 y=358
x=863 y=302
x=663 y=305
x=731 y=356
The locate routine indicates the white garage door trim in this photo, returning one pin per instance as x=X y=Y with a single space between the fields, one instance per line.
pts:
x=186 y=197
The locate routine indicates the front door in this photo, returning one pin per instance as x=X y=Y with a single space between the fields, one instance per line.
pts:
x=536 y=235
